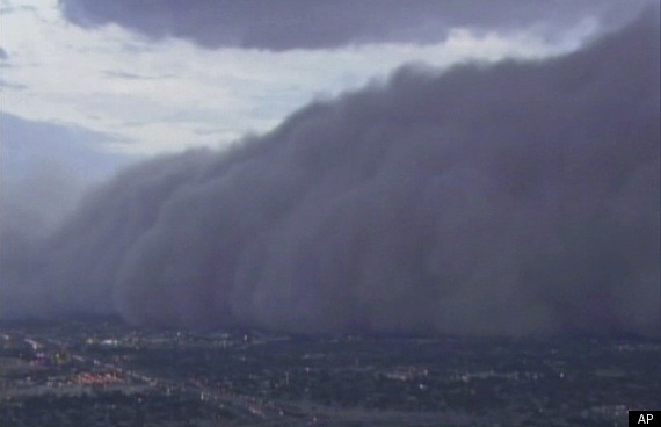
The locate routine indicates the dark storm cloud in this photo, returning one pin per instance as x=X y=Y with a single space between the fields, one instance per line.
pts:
x=514 y=198
x=304 y=24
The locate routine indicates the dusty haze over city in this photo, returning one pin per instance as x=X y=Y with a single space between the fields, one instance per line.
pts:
x=376 y=166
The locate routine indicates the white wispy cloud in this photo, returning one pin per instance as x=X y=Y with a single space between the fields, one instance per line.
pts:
x=167 y=95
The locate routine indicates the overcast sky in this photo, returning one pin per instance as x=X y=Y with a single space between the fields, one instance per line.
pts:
x=158 y=76
x=490 y=197
x=89 y=86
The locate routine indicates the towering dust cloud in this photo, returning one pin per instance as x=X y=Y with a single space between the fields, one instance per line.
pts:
x=521 y=197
